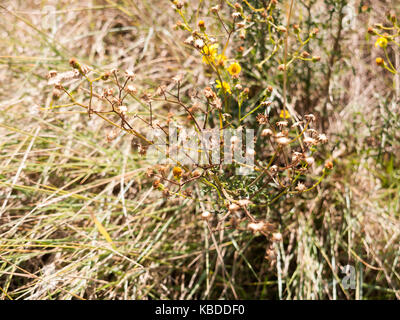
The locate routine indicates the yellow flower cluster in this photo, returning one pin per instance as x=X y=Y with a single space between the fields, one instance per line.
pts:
x=225 y=86
x=211 y=56
x=284 y=114
x=381 y=42
x=234 y=69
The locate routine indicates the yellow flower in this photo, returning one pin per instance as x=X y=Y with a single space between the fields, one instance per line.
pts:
x=202 y=25
x=379 y=61
x=381 y=42
x=221 y=60
x=210 y=53
x=225 y=86
x=177 y=172
x=234 y=69
x=284 y=114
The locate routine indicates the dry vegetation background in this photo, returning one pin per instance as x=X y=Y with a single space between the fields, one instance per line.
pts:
x=59 y=174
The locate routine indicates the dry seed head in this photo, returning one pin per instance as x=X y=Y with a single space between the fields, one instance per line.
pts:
x=108 y=92
x=206 y=215
x=322 y=138
x=256 y=226
x=277 y=236
x=297 y=124
x=296 y=156
x=233 y=207
x=309 y=160
x=122 y=109
x=282 y=124
x=214 y=9
x=309 y=117
x=217 y=103
x=51 y=74
x=209 y=93
x=283 y=141
x=199 y=44
x=131 y=89
x=189 y=41
x=236 y=15
x=64 y=76
x=300 y=187
x=262 y=118
x=308 y=141
x=244 y=202
x=130 y=74
x=241 y=24
x=266 y=133
x=312 y=132
x=273 y=169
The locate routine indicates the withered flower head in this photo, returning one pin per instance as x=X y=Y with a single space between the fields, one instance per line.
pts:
x=209 y=93
x=301 y=187
x=266 y=133
x=309 y=117
x=262 y=118
x=206 y=215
